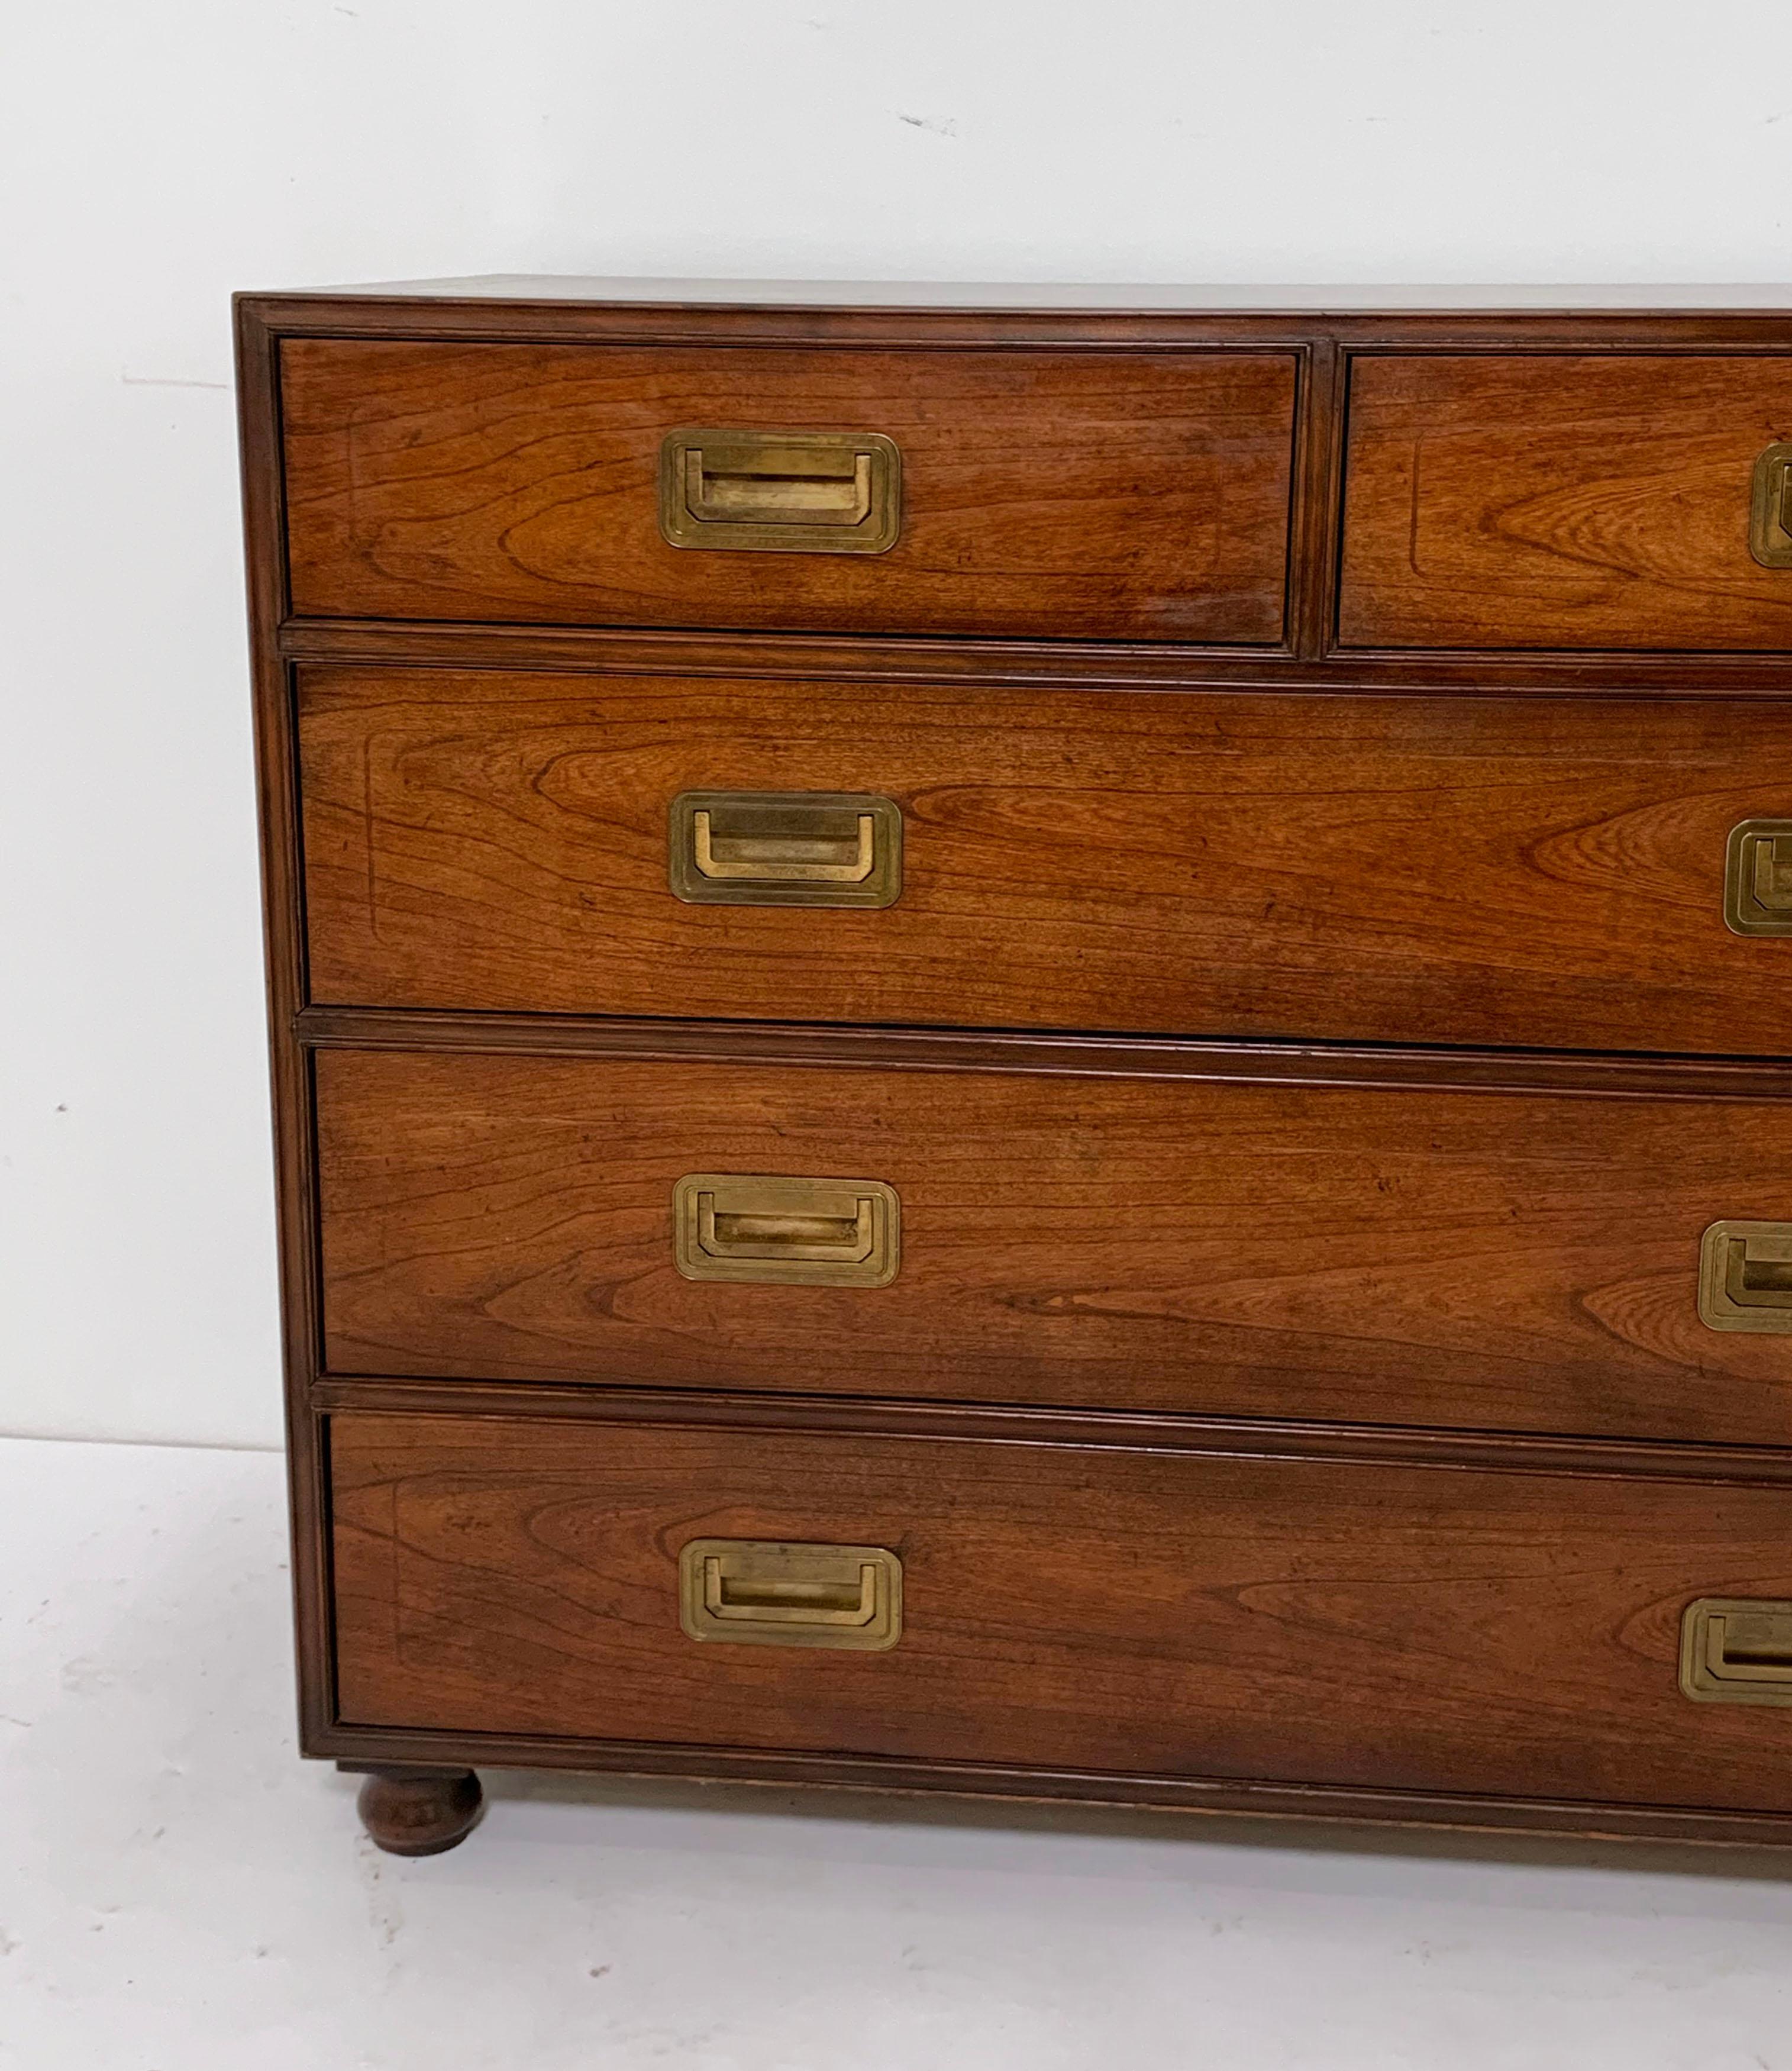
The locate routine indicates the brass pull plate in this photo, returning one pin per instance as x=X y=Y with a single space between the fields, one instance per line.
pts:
x=1771 y=509
x=780 y=492
x=785 y=848
x=1758 y=879
x=1745 y=1278
x=758 y=1226
x=1736 y=1650
x=769 y=1592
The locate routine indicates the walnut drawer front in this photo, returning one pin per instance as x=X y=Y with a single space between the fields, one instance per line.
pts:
x=1528 y=499
x=1135 y=495
x=1480 y=1261
x=1502 y=870
x=1339 y=1623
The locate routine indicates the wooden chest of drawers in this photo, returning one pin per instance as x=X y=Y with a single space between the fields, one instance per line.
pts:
x=1034 y=1044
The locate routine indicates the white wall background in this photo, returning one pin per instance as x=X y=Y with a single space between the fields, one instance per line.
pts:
x=153 y=157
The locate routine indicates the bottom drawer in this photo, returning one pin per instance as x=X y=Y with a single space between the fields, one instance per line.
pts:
x=1434 y=1629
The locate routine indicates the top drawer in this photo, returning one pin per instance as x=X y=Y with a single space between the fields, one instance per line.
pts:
x=1069 y=494
x=1555 y=500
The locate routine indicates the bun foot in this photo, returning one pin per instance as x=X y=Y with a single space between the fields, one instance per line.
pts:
x=408 y=1812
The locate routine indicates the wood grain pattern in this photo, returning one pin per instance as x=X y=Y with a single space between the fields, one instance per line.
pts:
x=1349 y=1625
x=1074 y=495
x=1544 y=873
x=1526 y=500
x=1481 y=1262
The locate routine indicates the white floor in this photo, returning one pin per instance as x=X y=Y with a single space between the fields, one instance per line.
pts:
x=178 y=1892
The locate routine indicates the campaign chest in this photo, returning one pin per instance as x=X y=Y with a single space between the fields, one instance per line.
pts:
x=1034 y=1042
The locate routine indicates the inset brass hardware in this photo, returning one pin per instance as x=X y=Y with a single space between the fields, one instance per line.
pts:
x=807 y=1232
x=762 y=1593
x=785 y=848
x=1771 y=510
x=1745 y=1277
x=782 y=492
x=1736 y=1650
x=1758 y=879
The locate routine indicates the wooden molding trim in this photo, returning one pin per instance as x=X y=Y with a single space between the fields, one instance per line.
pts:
x=921 y=1049
x=365 y=1746
x=448 y=318
x=1133 y=1431
x=1313 y=667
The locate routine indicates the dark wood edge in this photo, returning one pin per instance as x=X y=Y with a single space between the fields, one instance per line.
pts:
x=258 y=403
x=1307 y=434
x=364 y=1747
x=420 y=1769
x=1366 y=1065
x=1314 y=544
x=1094 y=666
x=960 y=1423
x=487 y=319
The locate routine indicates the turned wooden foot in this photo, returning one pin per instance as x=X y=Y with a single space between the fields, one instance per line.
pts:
x=413 y=1812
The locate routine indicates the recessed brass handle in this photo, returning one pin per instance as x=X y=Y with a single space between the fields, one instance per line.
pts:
x=751 y=1226
x=770 y=1592
x=760 y=1232
x=1745 y=1278
x=784 y=859
x=777 y=486
x=785 y=848
x=1772 y=874
x=1736 y=1650
x=1758 y=879
x=780 y=492
x=1770 y=508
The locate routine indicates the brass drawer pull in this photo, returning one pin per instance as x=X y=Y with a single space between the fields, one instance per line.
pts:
x=791 y=860
x=1758 y=879
x=1736 y=1650
x=785 y=848
x=743 y=1226
x=1771 y=509
x=766 y=1592
x=782 y=492
x=1745 y=1277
